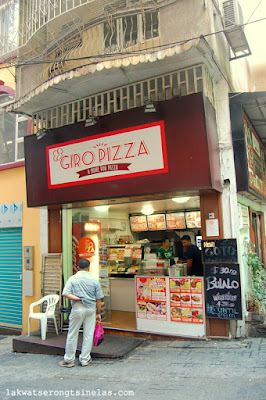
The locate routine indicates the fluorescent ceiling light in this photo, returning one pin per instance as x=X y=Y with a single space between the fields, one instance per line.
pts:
x=147 y=210
x=180 y=199
x=102 y=208
x=92 y=227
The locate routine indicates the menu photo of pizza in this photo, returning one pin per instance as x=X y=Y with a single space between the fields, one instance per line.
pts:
x=176 y=220
x=193 y=219
x=156 y=222
x=138 y=223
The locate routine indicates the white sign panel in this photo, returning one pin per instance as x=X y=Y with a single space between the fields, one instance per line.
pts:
x=11 y=215
x=127 y=153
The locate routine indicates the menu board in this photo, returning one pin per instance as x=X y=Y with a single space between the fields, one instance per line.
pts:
x=223 y=291
x=176 y=220
x=219 y=251
x=186 y=300
x=138 y=223
x=156 y=222
x=193 y=219
x=151 y=298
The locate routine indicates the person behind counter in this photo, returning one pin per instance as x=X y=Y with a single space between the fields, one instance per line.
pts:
x=164 y=252
x=192 y=256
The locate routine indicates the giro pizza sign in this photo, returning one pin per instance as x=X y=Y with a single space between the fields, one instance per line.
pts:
x=136 y=151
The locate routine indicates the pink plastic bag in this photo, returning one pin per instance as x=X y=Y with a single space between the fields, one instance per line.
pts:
x=98 y=334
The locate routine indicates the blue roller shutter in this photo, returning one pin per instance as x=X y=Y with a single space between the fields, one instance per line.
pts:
x=11 y=277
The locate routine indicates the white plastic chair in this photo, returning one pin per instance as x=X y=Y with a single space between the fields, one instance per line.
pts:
x=52 y=300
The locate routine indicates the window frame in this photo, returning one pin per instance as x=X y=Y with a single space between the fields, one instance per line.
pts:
x=18 y=118
x=119 y=23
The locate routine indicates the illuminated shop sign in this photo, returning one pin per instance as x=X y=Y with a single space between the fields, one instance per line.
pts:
x=131 y=152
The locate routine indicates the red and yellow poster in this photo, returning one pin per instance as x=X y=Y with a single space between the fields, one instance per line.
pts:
x=186 y=300
x=151 y=298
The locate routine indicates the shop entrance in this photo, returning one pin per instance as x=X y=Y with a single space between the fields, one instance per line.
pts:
x=121 y=241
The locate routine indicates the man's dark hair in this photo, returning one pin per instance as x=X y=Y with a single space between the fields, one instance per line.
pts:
x=186 y=237
x=84 y=263
x=164 y=240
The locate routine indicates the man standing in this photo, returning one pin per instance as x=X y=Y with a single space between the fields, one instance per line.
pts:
x=85 y=294
x=192 y=256
x=164 y=252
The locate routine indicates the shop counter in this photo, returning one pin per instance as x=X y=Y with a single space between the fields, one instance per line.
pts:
x=123 y=294
x=168 y=305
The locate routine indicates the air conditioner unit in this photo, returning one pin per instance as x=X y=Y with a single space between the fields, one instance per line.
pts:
x=232 y=13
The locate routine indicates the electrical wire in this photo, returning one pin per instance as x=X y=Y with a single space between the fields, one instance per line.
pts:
x=133 y=52
x=254 y=11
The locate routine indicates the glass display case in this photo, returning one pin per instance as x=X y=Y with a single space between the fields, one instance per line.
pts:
x=121 y=260
x=154 y=267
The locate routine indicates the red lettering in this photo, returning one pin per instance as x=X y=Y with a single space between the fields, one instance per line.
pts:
x=101 y=154
x=91 y=157
x=62 y=162
x=108 y=154
x=129 y=150
x=76 y=160
x=118 y=147
x=143 y=149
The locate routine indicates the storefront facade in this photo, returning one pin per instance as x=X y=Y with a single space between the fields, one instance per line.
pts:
x=139 y=117
x=125 y=162
x=248 y=132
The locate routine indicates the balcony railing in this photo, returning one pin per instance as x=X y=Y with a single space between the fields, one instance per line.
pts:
x=164 y=87
x=72 y=14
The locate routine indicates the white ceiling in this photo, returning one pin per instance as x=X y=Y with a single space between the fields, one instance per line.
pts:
x=158 y=205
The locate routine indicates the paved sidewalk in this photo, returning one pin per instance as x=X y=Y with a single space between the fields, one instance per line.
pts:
x=179 y=370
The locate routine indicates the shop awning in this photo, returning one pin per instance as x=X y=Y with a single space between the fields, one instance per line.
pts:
x=254 y=105
x=109 y=74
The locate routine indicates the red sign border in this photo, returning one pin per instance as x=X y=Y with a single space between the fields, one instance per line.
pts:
x=109 y=178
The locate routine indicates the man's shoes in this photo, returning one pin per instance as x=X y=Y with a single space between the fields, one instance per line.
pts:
x=84 y=364
x=67 y=365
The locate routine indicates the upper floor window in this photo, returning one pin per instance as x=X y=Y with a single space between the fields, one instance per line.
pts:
x=13 y=129
x=127 y=31
x=8 y=26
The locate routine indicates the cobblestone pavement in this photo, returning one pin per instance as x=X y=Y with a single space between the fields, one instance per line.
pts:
x=179 y=370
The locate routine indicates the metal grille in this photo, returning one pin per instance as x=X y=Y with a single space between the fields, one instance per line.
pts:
x=164 y=87
x=11 y=277
x=52 y=265
x=35 y=14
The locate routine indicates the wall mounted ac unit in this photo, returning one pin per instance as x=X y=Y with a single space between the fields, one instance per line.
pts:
x=232 y=13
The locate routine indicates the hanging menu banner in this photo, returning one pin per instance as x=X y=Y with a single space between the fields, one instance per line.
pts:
x=138 y=223
x=156 y=222
x=176 y=220
x=223 y=291
x=219 y=251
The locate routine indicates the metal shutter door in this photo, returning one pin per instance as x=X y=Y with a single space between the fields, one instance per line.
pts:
x=11 y=277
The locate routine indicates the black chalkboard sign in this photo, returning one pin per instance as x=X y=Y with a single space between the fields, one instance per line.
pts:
x=223 y=291
x=219 y=251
